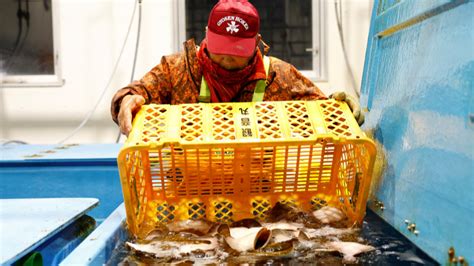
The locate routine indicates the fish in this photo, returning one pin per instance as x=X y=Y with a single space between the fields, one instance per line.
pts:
x=249 y=222
x=280 y=212
x=154 y=234
x=219 y=229
x=245 y=239
x=327 y=231
x=286 y=212
x=410 y=256
x=283 y=225
x=198 y=227
x=287 y=231
x=275 y=249
x=264 y=255
x=280 y=235
x=174 y=248
x=349 y=249
x=329 y=215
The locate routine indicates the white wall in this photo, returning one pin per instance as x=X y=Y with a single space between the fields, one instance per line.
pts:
x=355 y=23
x=91 y=36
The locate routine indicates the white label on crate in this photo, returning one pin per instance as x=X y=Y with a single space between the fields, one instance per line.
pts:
x=245 y=122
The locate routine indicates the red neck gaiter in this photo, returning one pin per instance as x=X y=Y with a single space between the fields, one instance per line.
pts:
x=225 y=84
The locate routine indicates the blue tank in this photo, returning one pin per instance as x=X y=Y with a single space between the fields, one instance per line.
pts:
x=417 y=89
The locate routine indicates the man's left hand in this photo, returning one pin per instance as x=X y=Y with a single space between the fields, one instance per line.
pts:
x=353 y=105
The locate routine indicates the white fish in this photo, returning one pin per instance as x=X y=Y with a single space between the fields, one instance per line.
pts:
x=283 y=226
x=279 y=235
x=174 y=249
x=245 y=239
x=156 y=249
x=329 y=214
x=349 y=249
x=188 y=248
x=189 y=225
x=410 y=256
x=327 y=231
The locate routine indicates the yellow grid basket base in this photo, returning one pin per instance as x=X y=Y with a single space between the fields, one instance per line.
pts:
x=228 y=161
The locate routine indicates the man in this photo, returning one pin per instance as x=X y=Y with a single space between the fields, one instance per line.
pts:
x=227 y=67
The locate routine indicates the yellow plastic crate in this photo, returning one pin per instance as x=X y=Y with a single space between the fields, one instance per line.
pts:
x=229 y=161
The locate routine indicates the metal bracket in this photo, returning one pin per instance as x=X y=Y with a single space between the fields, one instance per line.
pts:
x=453 y=260
x=412 y=227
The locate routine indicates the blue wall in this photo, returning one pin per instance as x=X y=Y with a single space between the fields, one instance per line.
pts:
x=418 y=90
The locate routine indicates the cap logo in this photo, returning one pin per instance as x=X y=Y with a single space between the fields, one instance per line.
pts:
x=232 y=27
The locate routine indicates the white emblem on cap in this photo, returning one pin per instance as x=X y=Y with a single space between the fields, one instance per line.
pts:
x=232 y=27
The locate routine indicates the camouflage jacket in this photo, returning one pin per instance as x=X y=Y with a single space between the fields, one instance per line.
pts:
x=177 y=80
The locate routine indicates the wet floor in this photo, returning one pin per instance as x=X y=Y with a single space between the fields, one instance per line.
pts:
x=391 y=248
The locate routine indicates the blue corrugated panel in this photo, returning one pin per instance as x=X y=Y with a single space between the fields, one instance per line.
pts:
x=418 y=88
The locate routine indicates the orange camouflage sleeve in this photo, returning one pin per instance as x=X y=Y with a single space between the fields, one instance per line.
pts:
x=155 y=87
x=298 y=86
x=303 y=88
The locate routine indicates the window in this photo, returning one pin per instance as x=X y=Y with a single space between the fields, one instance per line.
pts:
x=28 y=46
x=294 y=29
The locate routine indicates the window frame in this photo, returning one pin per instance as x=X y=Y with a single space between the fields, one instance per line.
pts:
x=54 y=80
x=318 y=51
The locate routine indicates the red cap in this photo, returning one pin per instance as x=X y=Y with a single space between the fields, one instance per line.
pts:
x=232 y=28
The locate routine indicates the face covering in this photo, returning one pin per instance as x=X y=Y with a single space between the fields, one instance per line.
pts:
x=225 y=84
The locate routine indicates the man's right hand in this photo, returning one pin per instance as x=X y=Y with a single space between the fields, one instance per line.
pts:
x=130 y=105
x=353 y=104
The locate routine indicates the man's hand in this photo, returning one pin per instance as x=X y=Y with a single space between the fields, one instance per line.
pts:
x=128 y=108
x=353 y=105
